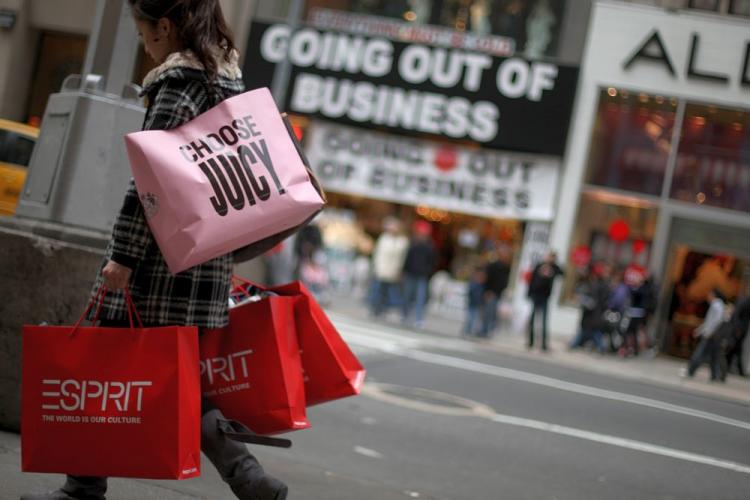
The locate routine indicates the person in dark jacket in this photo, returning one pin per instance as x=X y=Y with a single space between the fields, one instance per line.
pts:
x=617 y=303
x=740 y=324
x=593 y=295
x=308 y=241
x=197 y=69
x=636 y=316
x=421 y=258
x=497 y=273
x=540 y=288
x=474 y=302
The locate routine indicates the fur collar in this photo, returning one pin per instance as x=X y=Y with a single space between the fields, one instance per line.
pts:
x=186 y=59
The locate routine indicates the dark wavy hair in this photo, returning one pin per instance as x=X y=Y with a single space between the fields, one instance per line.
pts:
x=200 y=24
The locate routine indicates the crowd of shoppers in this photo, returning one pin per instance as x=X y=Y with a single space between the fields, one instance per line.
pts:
x=401 y=271
x=614 y=313
x=616 y=305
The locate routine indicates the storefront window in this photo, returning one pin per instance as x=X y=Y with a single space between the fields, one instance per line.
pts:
x=631 y=141
x=534 y=25
x=60 y=55
x=713 y=161
x=741 y=7
x=704 y=4
x=611 y=229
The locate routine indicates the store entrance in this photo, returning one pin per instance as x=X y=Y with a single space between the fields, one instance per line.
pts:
x=698 y=262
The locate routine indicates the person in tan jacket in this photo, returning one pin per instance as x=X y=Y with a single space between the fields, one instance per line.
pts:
x=388 y=263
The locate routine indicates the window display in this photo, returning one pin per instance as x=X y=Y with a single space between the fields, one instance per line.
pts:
x=533 y=24
x=631 y=141
x=713 y=162
x=614 y=230
x=704 y=4
x=741 y=7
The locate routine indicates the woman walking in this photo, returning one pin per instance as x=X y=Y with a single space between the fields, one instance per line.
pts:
x=197 y=69
x=709 y=346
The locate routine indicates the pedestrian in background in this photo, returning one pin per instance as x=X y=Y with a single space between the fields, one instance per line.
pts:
x=387 y=265
x=618 y=301
x=474 y=302
x=197 y=68
x=497 y=274
x=740 y=325
x=593 y=294
x=420 y=262
x=307 y=243
x=540 y=289
x=708 y=347
x=636 y=316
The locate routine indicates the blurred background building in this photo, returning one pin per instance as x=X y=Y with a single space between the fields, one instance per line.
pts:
x=473 y=115
x=657 y=172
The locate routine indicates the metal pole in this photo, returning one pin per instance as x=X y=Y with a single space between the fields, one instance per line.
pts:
x=663 y=222
x=283 y=71
x=112 y=47
x=661 y=234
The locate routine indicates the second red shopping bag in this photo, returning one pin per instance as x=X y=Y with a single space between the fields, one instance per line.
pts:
x=331 y=369
x=251 y=369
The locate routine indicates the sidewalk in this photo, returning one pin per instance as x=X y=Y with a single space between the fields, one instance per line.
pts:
x=648 y=367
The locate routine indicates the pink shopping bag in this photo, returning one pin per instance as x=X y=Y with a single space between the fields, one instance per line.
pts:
x=229 y=178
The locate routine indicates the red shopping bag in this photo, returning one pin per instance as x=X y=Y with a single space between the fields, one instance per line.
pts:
x=111 y=401
x=251 y=368
x=331 y=370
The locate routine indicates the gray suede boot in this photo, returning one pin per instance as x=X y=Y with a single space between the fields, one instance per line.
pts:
x=75 y=488
x=237 y=467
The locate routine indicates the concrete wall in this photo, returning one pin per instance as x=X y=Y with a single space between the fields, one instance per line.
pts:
x=70 y=16
x=19 y=45
x=40 y=280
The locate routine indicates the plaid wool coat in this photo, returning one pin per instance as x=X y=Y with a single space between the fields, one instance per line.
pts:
x=177 y=91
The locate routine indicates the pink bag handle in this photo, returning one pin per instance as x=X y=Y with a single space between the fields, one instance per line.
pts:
x=98 y=299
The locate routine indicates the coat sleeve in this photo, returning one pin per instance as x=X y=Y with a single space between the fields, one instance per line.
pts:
x=172 y=105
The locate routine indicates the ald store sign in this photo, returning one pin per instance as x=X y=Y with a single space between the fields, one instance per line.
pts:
x=501 y=103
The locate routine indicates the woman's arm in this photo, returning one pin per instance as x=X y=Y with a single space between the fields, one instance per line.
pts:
x=175 y=103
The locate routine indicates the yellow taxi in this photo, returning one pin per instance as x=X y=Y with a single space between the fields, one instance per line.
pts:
x=16 y=144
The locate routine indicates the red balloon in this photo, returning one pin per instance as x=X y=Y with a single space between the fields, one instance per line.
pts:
x=581 y=256
x=619 y=230
x=639 y=246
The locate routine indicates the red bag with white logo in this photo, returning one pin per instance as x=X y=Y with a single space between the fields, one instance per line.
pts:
x=111 y=401
x=331 y=369
x=251 y=368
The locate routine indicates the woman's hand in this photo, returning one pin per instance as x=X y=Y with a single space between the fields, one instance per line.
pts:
x=116 y=276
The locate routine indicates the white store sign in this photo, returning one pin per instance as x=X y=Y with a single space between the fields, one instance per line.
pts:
x=440 y=175
x=680 y=54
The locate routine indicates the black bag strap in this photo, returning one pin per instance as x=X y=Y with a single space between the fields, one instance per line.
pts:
x=236 y=431
x=313 y=179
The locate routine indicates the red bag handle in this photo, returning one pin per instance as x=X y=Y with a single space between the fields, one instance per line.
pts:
x=132 y=311
x=239 y=283
x=98 y=299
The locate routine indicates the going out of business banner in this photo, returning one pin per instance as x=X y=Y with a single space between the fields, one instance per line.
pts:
x=499 y=102
x=441 y=175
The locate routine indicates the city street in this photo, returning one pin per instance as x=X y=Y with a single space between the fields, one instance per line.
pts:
x=443 y=418
x=443 y=178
